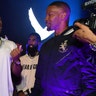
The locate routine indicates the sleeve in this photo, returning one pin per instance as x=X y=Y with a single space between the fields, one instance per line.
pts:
x=89 y=54
x=88 y=79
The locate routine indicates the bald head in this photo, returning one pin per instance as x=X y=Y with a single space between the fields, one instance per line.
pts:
x=63 y=5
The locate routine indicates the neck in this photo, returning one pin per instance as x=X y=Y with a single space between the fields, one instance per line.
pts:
x=60 y=31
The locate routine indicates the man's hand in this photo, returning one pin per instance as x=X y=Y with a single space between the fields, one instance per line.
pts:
x=16 y=66
x=84 y=34
x=15 y=53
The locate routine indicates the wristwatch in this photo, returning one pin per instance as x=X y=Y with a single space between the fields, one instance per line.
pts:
x=93 y=46
x=17 y=62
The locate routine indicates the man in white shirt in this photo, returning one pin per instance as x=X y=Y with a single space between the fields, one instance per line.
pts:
x=9 y=56
x=29 y=62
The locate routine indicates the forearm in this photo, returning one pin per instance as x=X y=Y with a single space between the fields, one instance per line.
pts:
x=16 y=73
x=16 y=68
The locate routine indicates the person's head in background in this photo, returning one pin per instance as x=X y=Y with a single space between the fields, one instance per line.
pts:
x=57 y=16
x=0 y=25
x=33 y=43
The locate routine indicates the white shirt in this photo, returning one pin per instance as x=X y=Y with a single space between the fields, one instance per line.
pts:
x=6 y=86
x=28 y=72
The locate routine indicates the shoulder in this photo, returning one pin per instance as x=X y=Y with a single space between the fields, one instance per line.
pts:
x=24 y=56
x=9 y=43
x=47 y=43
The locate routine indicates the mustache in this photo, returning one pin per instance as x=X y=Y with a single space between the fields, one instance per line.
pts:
x=32 y=50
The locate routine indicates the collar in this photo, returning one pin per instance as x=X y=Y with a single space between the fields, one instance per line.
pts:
x=68 y=31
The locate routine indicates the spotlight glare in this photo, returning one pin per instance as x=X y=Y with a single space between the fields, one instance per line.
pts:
x=37 y=27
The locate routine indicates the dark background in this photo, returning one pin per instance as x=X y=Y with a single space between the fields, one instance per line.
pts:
x=16 y=23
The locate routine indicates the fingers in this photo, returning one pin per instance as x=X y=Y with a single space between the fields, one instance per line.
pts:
x=81 y=26
x=20 y=47
x=84 y=33
x=15 y=53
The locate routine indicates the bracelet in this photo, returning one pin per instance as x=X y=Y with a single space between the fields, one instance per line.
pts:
x=93 y=46
x=17 y=62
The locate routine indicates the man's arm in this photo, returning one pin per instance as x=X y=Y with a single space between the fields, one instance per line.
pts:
x=84 y=34
x=16 y=66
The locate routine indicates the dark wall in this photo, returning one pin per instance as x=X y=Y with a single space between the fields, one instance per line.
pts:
x=16 y=24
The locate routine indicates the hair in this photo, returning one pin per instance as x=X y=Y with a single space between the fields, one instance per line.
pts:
x=37 y=35
x=62 y=5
